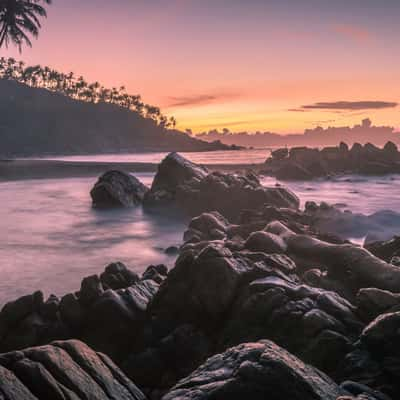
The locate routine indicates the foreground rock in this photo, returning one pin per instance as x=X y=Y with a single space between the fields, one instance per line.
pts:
x=191 y=188
x=63 y=370
x=117 y=189
x=257 y=371
x=303 y=163
x=108 y=313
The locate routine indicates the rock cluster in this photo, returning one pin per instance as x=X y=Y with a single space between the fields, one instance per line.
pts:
x=188 y=187
x=303 y=163
x=63 y=370
x=269 y=303
x=103 y=313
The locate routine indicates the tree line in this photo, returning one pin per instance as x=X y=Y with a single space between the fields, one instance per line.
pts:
x=77 y=88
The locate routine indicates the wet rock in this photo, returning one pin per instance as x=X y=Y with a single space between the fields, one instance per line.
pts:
x=372 y=302
x=256 y=371
x=173 y=357
x=274 y=308
x=280 y=154
x=118 y=276
x=91 y=290
x=306 y=163
x=191 y=189
x=172 y=172
x=265 y=242
x=116 y=189
x=115 y=320
x=293 y=171
x=63 y=370
x=172 y=250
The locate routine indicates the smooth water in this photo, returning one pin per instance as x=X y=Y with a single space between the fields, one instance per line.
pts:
x=52 y=238
x=255 y=156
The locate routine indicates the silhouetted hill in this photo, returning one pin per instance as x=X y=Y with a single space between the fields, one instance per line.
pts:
x=318 y=137
x=38 y=122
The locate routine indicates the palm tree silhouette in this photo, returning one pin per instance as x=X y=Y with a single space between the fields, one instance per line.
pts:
x=20 y=18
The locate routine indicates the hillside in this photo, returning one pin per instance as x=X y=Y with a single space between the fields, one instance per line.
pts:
x=35 y=122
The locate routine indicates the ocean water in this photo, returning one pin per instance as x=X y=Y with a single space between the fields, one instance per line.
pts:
x=51 y=237
x=255 y=156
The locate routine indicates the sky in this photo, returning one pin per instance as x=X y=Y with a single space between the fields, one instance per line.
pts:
x=280 y=66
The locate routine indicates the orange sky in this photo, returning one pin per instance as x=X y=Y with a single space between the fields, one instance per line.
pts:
x=235 y=64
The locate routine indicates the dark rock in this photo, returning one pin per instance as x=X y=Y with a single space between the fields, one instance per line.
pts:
x=189 y=188
x=280 y=154
x=265 y=242
x=172 y=172
x=91 y=290
x=172 y=358
x=49 y=309
x=63 y=370
x=116 y=189
x=256 y=371
x=157 y=273
x=71 y=311
x=114 y=321
x=372 y=302
x=172 y=250
x=293 y=171
x=118 y=276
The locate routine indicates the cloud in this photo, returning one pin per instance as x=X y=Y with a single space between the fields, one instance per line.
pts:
x=352 y=32
x=184 y=101
x=200 y=99
x=298 y=110
x=350 y=105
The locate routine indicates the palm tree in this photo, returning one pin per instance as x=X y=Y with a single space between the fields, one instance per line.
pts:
x=20 y=18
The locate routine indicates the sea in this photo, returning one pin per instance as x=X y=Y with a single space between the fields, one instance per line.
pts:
x=52 y=237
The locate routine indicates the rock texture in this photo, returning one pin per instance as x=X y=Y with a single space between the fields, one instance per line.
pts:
x=256 y=371
x=117 y=189
x=108 y=313
x=191 y=188
x=63 y=370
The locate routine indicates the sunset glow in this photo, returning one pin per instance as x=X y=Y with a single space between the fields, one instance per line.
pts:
x=241 y=65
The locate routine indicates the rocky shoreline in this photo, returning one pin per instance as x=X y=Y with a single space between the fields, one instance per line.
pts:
x=304 y=163
x=265 y=300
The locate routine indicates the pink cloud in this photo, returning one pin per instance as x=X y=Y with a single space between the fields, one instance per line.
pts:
x=355 y=33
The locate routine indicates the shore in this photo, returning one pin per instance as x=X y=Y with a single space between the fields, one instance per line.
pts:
x=13 y=170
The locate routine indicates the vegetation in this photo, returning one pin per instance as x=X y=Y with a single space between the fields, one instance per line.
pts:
x=20 y=18
x=77 y=88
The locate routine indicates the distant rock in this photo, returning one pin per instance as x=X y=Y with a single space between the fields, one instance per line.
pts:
x=303 y=163
x=117 y=189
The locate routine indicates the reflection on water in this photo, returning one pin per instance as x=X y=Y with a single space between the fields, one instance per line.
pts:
x=52 y=238
x=255 y=156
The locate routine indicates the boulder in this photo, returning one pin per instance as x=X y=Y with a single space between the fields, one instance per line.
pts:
x=256 y=371
x=117 y=189
x=375 y=359
x=293 y=171
x=164 y=363
x=265 y=242
x=275 y=307
x=372 y=302
x=189 y=188
x=118 y=276
x=63 y=370
x=280 y=154
x=173 y=171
